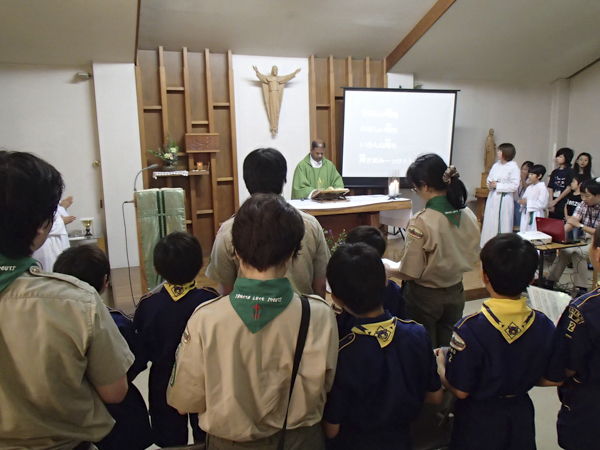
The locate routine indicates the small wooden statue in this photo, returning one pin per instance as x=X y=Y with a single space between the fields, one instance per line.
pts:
x=489 y=157
x=273 y=93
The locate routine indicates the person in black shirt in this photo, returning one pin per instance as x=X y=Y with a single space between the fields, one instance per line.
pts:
x=560 y=181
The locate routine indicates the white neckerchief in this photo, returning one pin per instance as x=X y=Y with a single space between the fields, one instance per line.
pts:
x=314 y=163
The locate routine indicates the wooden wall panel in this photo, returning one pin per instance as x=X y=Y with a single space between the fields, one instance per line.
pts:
x=185 y=93
x=173 y=69
x=327 y=112
x=218 y=66
x=223 y=127
x=148 y=63
x=198 y=89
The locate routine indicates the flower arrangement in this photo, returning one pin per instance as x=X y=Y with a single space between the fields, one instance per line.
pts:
x=168 y=153
x=332 y=243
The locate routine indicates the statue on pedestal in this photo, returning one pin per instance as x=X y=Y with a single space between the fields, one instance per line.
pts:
x=273 y=93
x=489 y=157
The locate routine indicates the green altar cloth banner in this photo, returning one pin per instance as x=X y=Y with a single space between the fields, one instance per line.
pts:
x=160 y=212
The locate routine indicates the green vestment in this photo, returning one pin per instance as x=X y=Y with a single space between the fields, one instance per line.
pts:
x=307 y=178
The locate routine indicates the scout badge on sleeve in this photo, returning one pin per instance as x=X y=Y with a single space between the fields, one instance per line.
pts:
x=457 y=343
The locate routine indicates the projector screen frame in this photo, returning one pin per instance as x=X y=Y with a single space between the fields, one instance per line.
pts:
x=382 y=182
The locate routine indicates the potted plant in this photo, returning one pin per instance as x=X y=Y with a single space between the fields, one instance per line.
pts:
x=168 y=153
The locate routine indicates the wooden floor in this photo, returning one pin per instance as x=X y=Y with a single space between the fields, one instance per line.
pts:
x=121 y=294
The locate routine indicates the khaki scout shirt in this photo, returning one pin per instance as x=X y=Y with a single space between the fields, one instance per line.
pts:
x=57 y=340
x=437 y=252
x=239 y=382
x=311 y=263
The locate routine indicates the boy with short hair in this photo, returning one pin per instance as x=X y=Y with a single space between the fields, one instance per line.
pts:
x=373 y=408
x=234 y=363
x=578 y=337
x=498 y=354
x=560 y=181
x=160 y=320
x=132 y=428
x=393 y=301
x=535 y=199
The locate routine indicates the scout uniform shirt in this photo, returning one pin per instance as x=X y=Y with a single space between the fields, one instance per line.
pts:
x=160 y=320
x=385 y=367
x=308 y=178
x=58 y=341
x=234 y=363
x=578 y=335
x=311 y=263
x=497 y=355
x=440 y=247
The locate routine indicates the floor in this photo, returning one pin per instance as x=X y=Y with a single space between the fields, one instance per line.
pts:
x=545 y=399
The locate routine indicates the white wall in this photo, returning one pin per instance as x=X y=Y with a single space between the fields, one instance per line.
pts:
x=45 y=110
x=518 y=113
x=119 y=137
x=252 y=123
x=584 y=114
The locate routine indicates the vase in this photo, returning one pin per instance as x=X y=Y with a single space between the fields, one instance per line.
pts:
x=169 y=166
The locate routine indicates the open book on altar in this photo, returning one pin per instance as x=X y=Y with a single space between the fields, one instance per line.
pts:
x=329 y=195
x=551 y=303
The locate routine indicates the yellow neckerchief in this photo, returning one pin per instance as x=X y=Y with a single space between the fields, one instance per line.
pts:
x=511 y=317
x=383 y=331
x=176 y=291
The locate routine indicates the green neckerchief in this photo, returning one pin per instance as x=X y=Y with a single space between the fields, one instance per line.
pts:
x=512 y=318
x=441 y=204
x=259 y=302
x=383 y=331
x=11 y=269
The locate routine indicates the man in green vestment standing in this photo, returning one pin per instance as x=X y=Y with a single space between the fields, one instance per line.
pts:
x=315 y=172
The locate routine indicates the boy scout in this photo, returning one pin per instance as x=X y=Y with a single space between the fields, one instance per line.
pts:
x=132 y=428
x=234 y=363
x=61 y=354
x=498 y=354
x=160 y=320
x=373 y=408
x=393 y=301
x=265 y=171
x=578 y=335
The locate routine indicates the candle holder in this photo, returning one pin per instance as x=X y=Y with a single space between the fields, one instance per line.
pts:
x=394 y=185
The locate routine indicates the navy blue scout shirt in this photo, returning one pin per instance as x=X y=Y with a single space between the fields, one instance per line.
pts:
x=393 y=302
x=578 y=335
x=379 y=390
x=132 y=428
x=160 y=321
x=482 y=361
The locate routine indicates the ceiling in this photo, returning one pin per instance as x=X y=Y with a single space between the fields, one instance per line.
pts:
x=67 y=32
x=526 y=40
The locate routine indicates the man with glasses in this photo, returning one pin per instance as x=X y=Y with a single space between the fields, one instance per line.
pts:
x=586 y=218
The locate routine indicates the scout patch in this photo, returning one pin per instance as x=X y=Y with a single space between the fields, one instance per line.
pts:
x=383 y=331
x=179 y=291
x=511 y=317
x=457 y=343
x=442 y=205
x=258 y=302
x=414 y=233
x=185 y=337
x=575 y=315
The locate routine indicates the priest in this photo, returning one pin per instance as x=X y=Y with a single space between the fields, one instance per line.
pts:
x=315 y=172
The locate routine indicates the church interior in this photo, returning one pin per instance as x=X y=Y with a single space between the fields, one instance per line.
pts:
x=93 y=86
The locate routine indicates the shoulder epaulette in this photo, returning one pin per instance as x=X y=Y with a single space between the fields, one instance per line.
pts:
x=409 y=321
x=419 y=213
x=210 y=289
x=145 y=296
x=461 y=322
x=208 y=302
x=118 y=311
x=36 y=271
x=584 y=298
x=346 y=341
x=315 y=297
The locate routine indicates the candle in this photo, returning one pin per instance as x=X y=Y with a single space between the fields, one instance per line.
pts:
x=199 y=166
x=394 y=188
